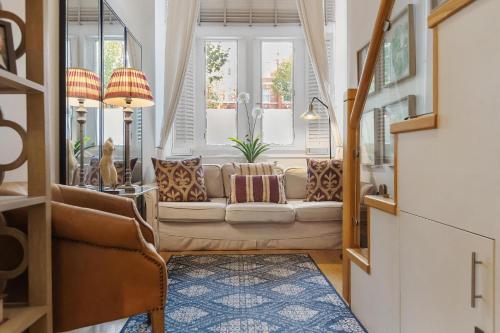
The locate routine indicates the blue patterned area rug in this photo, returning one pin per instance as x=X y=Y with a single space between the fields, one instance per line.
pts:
x=250 y=294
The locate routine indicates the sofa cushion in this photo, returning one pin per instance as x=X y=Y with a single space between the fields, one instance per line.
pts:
x=227 y=171
x=253 y=169
x=213 y=210
x=213 y=180
x=180 y=181
x=260 y=212
x=324 y=180
x=319 y=211
x=295 y=183
x=263 y=188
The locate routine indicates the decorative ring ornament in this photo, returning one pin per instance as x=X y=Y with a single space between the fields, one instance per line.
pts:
x=22 y=156
x=21 y=49
x=22 y=239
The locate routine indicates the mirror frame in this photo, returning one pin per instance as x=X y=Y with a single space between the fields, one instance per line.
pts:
x=63 y=172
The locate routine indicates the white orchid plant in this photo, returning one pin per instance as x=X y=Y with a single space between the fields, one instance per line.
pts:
x=251 y=146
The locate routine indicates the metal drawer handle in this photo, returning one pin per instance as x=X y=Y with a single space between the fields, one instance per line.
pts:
x=473 y=296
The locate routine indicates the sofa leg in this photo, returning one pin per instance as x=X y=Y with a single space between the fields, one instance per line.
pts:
x=157 y=318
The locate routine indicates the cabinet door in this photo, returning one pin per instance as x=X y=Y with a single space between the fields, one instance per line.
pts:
x=436 y=278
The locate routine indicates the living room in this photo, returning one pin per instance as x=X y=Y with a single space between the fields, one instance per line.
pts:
x=248 y=166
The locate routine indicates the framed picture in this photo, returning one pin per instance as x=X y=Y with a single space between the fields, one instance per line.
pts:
x=361 y=59
x=7 y=51
x=395 y=112
x=399 y=59
x=436 y=3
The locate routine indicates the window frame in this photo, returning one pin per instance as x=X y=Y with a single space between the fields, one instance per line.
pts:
x=260 y=90
x=249 y=72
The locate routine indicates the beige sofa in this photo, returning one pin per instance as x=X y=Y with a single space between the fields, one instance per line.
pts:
x=217 y=225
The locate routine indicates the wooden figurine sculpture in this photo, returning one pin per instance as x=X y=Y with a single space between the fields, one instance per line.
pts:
x=106 y=165
x=72 y=161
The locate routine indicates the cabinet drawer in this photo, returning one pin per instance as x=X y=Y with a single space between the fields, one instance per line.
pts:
x=438 y=278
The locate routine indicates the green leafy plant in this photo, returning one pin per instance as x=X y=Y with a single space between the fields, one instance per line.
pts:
x=251 y=149
x=251 y=146
x=76 y=148
x=282 y=81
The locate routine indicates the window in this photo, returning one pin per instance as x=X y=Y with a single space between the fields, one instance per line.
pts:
x=273 y=66
x=221 y=90
x=277 y=92
x=317 y=131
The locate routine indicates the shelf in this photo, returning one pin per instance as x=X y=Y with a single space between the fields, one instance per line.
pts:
x=360 y=258
x=13 y=84
x=15 y=202
x=379 y=202
x=428 y=121
x=20 y=319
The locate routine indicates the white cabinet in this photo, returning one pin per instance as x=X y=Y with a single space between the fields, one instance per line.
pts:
x=437 y=278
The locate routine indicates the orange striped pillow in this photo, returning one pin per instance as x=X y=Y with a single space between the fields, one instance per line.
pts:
x=263 y=188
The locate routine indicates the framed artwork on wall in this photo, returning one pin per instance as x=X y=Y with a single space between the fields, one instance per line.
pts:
x=440 y=10
x=395 y=112
x=399 y=58
x=361 y=59
x=437 y=3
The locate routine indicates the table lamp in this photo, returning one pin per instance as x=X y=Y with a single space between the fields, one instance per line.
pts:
x=311 y=114
x=82 y=92
x=128 y=88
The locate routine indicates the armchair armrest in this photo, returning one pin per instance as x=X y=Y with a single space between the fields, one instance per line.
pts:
x=103 y=202
x=97 y=228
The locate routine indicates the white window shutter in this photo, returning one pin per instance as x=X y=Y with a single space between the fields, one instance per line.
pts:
x=184 y=124
x=317 y=130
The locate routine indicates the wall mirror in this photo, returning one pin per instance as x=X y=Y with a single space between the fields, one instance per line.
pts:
x=94 y=41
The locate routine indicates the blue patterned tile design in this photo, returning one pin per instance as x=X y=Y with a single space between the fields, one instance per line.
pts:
x=250 y=294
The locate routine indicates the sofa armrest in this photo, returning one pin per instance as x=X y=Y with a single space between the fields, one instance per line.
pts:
x=95 y=227
x=102 y=202
x=151 y=200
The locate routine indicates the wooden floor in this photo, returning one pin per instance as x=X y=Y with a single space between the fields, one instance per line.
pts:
x=328 y=261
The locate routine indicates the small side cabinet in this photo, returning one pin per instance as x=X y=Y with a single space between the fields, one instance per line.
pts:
x=447 y=278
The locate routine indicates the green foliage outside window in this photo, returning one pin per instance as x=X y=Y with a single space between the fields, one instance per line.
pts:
x=282 y=81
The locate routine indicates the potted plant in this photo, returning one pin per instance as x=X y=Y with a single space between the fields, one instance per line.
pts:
x=251 y=146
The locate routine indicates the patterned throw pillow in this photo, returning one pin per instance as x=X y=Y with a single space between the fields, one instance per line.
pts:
x=324 y=180
x=247 y=169
x=263 y=188
x=180 y=180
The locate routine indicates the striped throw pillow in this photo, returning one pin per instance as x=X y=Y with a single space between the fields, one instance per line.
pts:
x=247 y=169
x=263 y=188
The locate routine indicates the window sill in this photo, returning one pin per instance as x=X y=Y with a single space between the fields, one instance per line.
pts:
x=382 y=203
x=360 y=258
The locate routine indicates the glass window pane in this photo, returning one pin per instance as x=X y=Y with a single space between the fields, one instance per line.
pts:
x=277 y=92
x=221 y=90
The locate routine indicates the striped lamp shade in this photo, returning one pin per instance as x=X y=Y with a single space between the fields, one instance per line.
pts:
x=128 y=87
x=82 y=85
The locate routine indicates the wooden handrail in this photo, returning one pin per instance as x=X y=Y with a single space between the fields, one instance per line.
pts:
x=384 y=13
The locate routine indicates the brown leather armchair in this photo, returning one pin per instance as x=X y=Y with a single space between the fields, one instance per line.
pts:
x=105 y=265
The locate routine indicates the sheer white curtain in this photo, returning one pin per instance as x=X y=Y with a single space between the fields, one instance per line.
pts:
x=312 y=18
x=181 y=23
